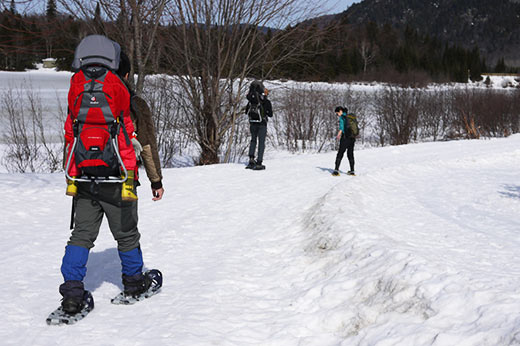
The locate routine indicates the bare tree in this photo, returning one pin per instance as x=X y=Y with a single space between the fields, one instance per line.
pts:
x=465 y=109
x=173 y=136
x=22 y=148
x=434 y=113
x=397 y=112
x=304 y=120
x=368 y=52
x=132 y=23
x=215 y=45
x=30 y=147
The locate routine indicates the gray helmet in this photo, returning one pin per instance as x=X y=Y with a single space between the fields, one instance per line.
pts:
x=97 y=50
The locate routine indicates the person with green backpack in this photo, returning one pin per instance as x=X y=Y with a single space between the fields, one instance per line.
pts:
x=348 y=130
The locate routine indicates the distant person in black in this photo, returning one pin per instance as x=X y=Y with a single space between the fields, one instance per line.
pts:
x=347 y=140
x=259 y=109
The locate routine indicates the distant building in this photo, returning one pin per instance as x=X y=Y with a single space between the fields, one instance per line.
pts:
x=49 y=63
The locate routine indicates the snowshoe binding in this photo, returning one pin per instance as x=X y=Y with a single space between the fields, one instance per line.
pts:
x=137 y=291
x=71 y=311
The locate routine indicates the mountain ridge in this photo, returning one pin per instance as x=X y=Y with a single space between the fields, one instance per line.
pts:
x=493 y=26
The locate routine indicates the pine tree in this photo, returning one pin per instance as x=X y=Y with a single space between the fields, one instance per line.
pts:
x=12 y=7
x=475 y=65
x=98 y=22
x=500 y=66
x=51 y=8
x=97 y=13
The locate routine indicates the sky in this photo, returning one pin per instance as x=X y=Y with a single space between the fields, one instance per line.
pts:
x=332 y=6
x=337 y=6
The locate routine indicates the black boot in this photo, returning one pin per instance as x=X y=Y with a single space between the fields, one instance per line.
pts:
x=136 y=284
x=351 y=172
x=73 y=293
x=251 y=164
x=259 y=166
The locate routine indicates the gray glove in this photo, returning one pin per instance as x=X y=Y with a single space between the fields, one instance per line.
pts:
x=138 y=148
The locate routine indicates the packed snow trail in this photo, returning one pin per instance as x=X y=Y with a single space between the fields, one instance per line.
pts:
x=430 y=256
x=421 y=248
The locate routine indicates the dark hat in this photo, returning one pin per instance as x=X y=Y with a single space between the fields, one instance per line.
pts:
x=257 y=86
x=340 y=108
x=124 y=65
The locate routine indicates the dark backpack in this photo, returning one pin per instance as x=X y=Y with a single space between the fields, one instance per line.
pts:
x=255 y=110
x=353 y=124
x=97 y=102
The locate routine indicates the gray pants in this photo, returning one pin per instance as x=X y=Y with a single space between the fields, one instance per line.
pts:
x=94 y=201
x=258 y=131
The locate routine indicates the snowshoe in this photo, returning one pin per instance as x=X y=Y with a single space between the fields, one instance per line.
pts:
x=335 y=173
x=71 y=312
x=153 y=279
x=351 y=173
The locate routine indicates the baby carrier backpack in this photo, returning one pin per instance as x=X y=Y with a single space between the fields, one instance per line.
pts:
x=98 y=144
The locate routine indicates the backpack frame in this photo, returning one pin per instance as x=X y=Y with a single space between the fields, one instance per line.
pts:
x=95 y=148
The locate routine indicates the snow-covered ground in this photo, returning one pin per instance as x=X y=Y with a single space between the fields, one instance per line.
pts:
x=421 y=248
x=49 y=84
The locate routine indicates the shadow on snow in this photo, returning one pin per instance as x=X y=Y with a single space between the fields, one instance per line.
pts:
x=104 y=266
x=511 y=191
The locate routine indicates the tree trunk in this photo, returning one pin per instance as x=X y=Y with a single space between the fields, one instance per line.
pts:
x=208 y=156
x=209 y=141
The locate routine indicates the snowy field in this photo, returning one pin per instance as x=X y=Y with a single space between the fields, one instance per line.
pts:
x=421 y=248
x=51 y=87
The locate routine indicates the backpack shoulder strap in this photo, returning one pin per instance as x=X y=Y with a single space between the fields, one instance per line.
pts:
x=127 y=137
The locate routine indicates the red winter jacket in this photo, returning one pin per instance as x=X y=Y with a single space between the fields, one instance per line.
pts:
x=119 y=102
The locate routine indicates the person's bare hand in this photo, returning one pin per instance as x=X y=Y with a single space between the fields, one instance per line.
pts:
x=157 y=194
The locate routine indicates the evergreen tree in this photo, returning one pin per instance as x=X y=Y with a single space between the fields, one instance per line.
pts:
x=98 y=21
x=51 y=9
x=475 y=65
x=97 y=13
x=500 y=66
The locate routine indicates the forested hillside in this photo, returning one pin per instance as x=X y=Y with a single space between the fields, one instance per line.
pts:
x=493 y=26
x=408 y=41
